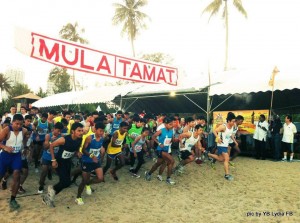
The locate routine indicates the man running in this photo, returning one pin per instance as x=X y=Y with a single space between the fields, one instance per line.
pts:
x=93 y=153
x=164 y=140
x=114 y=150
x=192 y=139
x=233 y=144
x=68 y=146
x=223 y=134
x=10 y=157
x=46 y=156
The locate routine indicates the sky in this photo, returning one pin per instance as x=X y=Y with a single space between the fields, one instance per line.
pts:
x=268 y=37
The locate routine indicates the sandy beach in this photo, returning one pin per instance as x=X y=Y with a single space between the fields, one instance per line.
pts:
x=262 y=191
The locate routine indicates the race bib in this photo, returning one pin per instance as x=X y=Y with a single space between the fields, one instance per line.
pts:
x=167 y=141
x=42 y=131
x=96 y=152
x=55 y=150
x=134 y=135
x=119 y=142
x=189 y=147
x=138 y=148
x=67 y=154
x=16 y=149
x=116 y=126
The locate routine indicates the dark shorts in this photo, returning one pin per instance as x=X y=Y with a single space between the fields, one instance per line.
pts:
x=159 y=153
x=113 y=156
x=287 y=147
x=89 y=167
x=232 y=145
x=185 y=154
x=222 y=149
x=25 y=164
x=40 y=143
x=46 y=162
x=11 y=161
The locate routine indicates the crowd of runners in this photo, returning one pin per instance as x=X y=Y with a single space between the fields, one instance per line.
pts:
x=93 y=144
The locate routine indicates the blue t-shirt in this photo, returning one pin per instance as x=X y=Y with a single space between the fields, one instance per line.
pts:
x=46 y=153
x=165 y=138
x=94 y=147
x=115 y=125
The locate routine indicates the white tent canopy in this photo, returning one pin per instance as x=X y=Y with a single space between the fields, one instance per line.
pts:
x=102 y=94
x=107 y=93
x=254 y=80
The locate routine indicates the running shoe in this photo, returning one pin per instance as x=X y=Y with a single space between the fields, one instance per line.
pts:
x=114 y=175
x=36 y=170
x=41 y=190
x=232 y=164
x=21 y=190
x=212 y=165
x=4 y=185
x=13 y=204
x=88 y=190
x=159 y=177
x=284 y=160
x=79 y=201
x=170 y=181
x=228 y=177
x=51 y=192
x=135 y=175
x=147 y=176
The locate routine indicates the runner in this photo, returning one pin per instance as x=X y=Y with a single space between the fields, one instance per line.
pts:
x=233 y=144
x=164 y=140
x=114 y=150
x=192 y=139
x=10 y=157
x=223 y=134
x=93 y=153
x=41 y=127
x=138 y=147
x=46 y=156
x=68 y=146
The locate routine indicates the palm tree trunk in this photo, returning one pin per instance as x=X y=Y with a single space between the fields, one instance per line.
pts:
x=226 y=43
x=74 y=82
x=132 y=47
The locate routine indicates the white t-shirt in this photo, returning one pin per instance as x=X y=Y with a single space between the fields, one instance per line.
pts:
x=259 y=133
x=288 y=132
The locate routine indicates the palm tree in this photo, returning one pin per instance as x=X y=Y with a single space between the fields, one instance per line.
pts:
x=131 y=18
x=214 y=7
x=61 y=80
x=72 y=32
x=5 y=85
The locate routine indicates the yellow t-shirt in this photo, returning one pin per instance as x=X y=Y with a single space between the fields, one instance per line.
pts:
x=69 y=126
x=57 y=119
x=90 y=132
x=119 y=141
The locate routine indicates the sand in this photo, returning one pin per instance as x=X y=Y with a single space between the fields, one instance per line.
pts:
x=262 y=191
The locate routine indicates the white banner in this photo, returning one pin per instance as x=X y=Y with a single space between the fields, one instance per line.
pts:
x=79 y=57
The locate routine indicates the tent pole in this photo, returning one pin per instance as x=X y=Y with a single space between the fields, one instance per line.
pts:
x=208 y=98
x=271 y=105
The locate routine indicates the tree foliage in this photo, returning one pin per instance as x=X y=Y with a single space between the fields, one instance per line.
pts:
x=214 y=7
x=61 y=80
x=131 y=18
x=158 y=58
x=19 y=89
x=41 y=93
